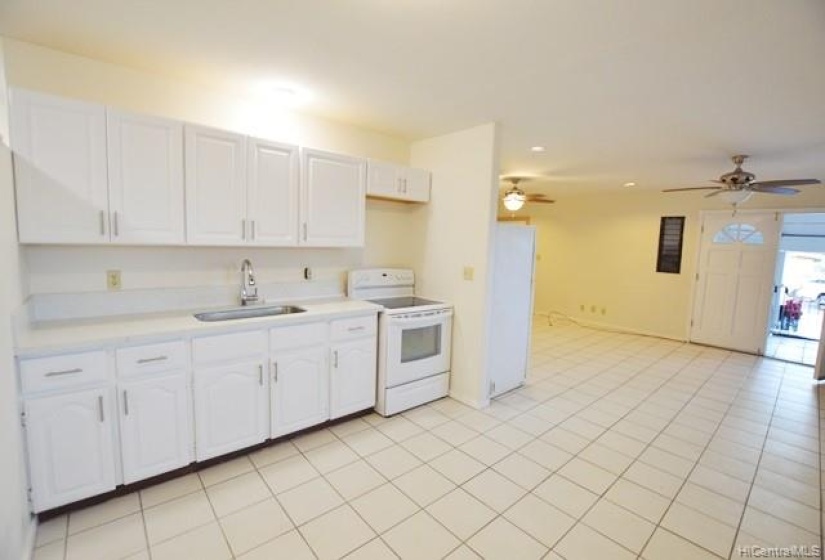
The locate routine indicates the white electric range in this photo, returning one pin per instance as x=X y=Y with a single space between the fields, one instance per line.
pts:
x=414 y=338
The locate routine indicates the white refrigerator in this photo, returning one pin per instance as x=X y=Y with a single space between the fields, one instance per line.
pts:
x=511 y=317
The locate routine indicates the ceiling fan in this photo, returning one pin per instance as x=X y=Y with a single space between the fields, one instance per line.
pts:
x=739 y=184
x=515 y=198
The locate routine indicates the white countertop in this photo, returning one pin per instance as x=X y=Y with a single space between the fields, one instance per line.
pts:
x=35 y=339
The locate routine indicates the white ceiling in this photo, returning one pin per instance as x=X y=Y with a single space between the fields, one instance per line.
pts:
x=660 y=92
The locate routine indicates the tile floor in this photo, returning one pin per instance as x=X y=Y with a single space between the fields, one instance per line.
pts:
x=798 y=350
x=618 y=447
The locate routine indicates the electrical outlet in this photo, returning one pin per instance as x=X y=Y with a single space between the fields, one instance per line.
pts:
x=469 y=272
x=113 y=280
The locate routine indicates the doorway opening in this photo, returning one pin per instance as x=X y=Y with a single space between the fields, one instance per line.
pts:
x=799 y=297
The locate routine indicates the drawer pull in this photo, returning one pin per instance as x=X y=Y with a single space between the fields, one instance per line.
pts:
x=100 y=408
x=64 y=372
x=261 y=375
x=155 y=359
x=355 y=329
x=126 y=403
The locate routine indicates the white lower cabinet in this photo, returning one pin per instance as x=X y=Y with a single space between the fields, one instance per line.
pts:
x=155 y=426
x=300 y=389
x=231 y=408
x=352 y=376
x=71 y=446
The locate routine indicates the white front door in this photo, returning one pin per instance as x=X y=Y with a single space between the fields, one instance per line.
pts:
x=735 y=280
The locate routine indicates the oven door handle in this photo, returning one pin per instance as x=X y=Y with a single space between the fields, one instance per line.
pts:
x=423 y=318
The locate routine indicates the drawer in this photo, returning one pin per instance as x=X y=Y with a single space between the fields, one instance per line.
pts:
x=150 y=358
x=249 y=345
x=297 y=336
x=354 y=327
x=66 y=370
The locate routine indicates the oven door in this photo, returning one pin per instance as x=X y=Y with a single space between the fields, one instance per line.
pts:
x=418 y=345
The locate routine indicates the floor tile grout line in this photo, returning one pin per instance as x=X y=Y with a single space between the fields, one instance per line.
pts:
x=756 y=471
x=573 y=456
x=145 y=529
x=648 y=445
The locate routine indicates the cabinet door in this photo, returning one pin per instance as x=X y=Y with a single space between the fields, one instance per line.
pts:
x=273 y=193
x=383 y=180
x=155 y=426
x=145 y=178
x=59 y=150
x=333 y=200
x=300 y=390
x=352 y=377
x=215 y=187
x=416 y=185
x=231 y=408
x=71 y=450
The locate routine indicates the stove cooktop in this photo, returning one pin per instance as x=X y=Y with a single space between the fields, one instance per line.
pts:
x=404 y=302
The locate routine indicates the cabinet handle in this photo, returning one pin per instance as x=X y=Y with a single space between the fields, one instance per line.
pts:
x=243 y=230
x=261 y=375
x=335 y=359
x=305 y=231
x=253 y=229
x=116 y=224
x=102 y=223
x=100 y=408
x=126 y=403
x=356 y=329
x=275 y=367
x=64 y=372
x=155 y=359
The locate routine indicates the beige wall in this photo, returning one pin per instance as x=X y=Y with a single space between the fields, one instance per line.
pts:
x=64 y=269
x=456 y=231
x=600 y=250
x=15 y=520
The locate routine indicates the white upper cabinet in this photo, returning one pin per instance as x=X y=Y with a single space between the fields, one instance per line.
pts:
x=396 y=182
x=215 y=187
x=333 y=199
x=272 y=193
x=59 y=150
x=145 y=156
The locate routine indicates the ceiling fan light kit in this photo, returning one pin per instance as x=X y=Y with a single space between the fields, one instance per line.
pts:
x=739 y=185
x=515 y=198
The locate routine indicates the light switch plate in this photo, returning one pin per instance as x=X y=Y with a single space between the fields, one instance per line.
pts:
x=469 y=272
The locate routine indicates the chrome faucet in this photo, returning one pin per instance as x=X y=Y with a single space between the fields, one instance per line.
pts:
x=249 y=289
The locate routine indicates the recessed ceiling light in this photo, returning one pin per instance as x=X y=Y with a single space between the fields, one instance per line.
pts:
x=285 y=94
x=537 y=149
x=630 y=184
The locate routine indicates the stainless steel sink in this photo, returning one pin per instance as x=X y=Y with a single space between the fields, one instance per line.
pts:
x=247 y=313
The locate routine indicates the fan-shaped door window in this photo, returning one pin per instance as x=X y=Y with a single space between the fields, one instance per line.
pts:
x=739 y=233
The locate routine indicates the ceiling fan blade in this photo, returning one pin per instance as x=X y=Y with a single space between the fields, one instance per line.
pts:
x=770 y=189
x=718 y=191
x=694 y=189
x=787 y=183
x=541 y=200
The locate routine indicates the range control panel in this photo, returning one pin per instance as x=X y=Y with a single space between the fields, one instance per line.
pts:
x=380 y=278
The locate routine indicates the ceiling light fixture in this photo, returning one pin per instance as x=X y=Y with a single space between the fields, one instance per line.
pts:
x=514 y=199
x=285 y=94
x=630 y=184
x=736 y=197
x=537 y=149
